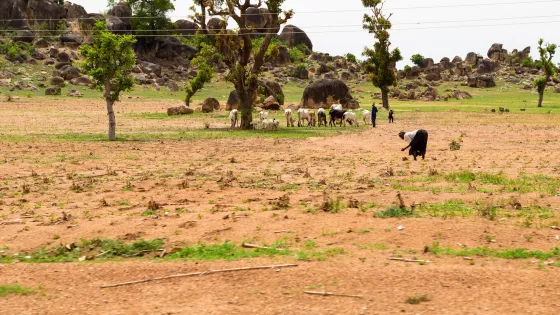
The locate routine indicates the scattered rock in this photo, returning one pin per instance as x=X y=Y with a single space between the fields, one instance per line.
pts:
x=210 y=104
x=324 y=92
x=181 y=110
x=270 y=103
x=62 y=57
x=293 y=36
x=57 y=81
x=53 y=91
x=82 y=81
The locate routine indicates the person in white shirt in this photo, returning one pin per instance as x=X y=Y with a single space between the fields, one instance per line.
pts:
x=418 y=142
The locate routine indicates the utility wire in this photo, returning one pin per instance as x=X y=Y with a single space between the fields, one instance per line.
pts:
x=330 y=32
x=336 y=26
x=331 y=11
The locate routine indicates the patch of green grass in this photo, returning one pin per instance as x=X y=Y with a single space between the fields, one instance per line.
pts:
x=6 y=290
x=288 y=187
x=395 y=212
x=417 y=299
x=518 y=253
x=450 y=208
x=225 y=251
x=319 y=255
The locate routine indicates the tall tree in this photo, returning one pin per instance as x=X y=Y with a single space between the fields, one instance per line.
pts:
x=380 y=62
x=547 y=52
x=109 y=60
x=150 y=16
x=205 y=61
x=244 y=62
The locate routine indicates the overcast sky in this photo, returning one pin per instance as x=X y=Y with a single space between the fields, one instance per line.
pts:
x=441 y=28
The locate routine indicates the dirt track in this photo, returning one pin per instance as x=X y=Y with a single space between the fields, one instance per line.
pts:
x=354 y=165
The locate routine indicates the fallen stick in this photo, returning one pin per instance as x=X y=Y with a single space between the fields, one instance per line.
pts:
x=333 y=294
x=246 y=245
x=196 y=274
x=409 y=260
x=555 y=227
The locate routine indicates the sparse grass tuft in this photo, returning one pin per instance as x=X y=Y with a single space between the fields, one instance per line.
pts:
x=417 y=299
x=396 y=212
x=6 y=290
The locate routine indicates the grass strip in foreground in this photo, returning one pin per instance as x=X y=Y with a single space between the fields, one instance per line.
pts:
x=6 y=290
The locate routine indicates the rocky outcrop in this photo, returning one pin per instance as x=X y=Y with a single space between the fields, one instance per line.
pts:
x=172 y=47
x=427 y=63
x=283 y=58
x=233 y=102
x=323 y=93
x=210 y=104
x=25 y=36
x=71 y=38
x=18 y=14
x=293 y=36
x=260 y=20
x=270 y=88
x=487 y=66
x=497 y=53
x=471 y=58
x=74 y=11
x=116 y=25
x=481 y=81
x=123 y=12
x=186 y=27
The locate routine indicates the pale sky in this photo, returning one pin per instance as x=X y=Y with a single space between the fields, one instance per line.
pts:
x=462 y=26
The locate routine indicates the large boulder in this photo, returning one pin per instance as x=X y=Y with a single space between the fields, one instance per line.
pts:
x=260 y=20
x=270 y=88
x=427 y=63
x=123 y=12
x=74 y=11
x=457 y=59
x=210 y=104
x=215 y=25
x=481 y=81
x=82 y=81
x=186 y=27
x=233 y=102
x=41 y=43
x=63 y=57
x=69 y=73
x=430 y=94
x=53 y=91
x=57 y=81
x=446 y=64
x=149 y=68
x=25 y=36
x=414 y=72
x=293 y=36
x=497 y=53
x=471 y=58
x=172 y=48
x=325 y=92
x=71 y=38
x=283 y=58
x=181 y=110
x=90 y=19
x=270 y=103
x=462 y=95
x=116 y=25
x=487 y=66
x=18 y=14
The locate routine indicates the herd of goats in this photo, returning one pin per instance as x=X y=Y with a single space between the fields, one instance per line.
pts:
x=305 y=117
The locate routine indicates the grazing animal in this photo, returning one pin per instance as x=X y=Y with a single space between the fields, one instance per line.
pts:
x=289 y=117
x=312 y=119
x=303 y=115
x=336 y=115
x=322 y=117
x=336 y=106
x=233 y=118
x=367 y=117
x=266 y=124
x=264 y=115
x=351 y=118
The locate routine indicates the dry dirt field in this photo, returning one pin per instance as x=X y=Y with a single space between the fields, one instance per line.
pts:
x=468 y=214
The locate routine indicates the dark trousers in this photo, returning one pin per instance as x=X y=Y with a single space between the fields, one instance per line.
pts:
x=373 y=119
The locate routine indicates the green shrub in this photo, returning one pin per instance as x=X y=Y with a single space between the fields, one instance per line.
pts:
x=395 y=212
x=407 y=69
x=350 y=57
x=417 y=59
x=538 y=64
x=528 y=62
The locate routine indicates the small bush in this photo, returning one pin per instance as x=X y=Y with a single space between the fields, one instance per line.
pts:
x=407 y=69
x=528 y=62
x=350 y=57
x=417 y=299
x=455 y=145
x=298 y=54
x=417 y=59
x=395 y=212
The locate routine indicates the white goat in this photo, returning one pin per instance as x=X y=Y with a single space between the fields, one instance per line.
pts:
x=350 y=117
x=367 y=117
x=264 y=115
x=233 y=118
x=336 y=106
x=267 y=124
x=303 y=115
x=289 y=117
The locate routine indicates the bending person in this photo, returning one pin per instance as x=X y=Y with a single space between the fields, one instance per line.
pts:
x=418 y=142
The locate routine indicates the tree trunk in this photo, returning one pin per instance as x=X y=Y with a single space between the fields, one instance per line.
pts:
x=246 y=109
x=203 y=19
x=385 y=98
x=112 y=121
x=541 y=96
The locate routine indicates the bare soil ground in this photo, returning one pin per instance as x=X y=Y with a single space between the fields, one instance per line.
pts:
x=60 y=191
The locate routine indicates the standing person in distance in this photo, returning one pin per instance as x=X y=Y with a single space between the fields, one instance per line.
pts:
x=373 y=115
x=391 y=118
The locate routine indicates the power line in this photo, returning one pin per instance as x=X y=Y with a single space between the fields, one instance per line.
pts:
x=328 y=11
x=340 y=31
x=336 y=26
